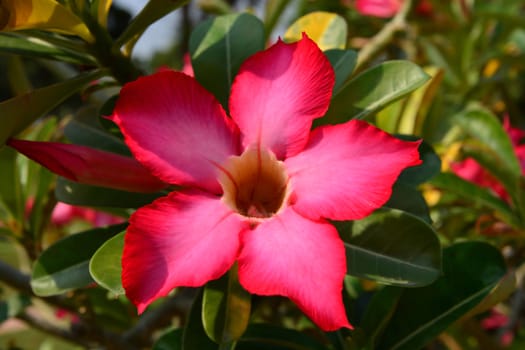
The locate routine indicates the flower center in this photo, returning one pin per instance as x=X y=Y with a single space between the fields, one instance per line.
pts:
x=254 y=183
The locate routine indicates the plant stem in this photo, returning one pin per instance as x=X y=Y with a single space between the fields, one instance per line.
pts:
x=379 y=41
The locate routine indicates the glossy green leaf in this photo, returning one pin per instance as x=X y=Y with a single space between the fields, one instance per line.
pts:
x=219 y=45
x=105 y=265
x=482 y=125
x=19 y=112
x=374 y=89
x=33 y=47
x=10 y=182
x=79 y=194
x=270 y=337
x=343 y=62
x=87 y=131
x=193 y=336
x=171 y=340
x=454 y=184
x=430 y=166
x=225 y=308
x=378 y=314
x=407 y=198
x=470 y=272
x=65 y=264
x=327 y=29
x=393 y=247
x=153 y=11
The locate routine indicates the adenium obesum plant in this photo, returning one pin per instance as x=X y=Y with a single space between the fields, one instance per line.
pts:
x=259 y=185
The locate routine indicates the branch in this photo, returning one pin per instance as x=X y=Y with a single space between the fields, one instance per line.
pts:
x=160 y=317
x=84 y=331
x=43 y=325
x=379 y=41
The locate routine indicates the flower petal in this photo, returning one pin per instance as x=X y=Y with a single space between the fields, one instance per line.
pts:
x=346 y=171
x=176 y=128
x=378 y=8
x=277 y=94
x=301 y=259
x=90 y=166
x=183 y=239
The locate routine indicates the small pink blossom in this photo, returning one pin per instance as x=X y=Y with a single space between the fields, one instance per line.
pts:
x=378 y=8
x=64 y=214
x=258 y=186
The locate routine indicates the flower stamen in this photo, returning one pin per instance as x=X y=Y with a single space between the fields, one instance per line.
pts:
x=254 y=184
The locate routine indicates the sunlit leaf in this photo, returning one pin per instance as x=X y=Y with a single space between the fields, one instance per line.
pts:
x=19 y=112
x=65 y=264
x=34 y=47
x=219 y=45
x=105 y=265
x=470 y=272
x=41 y=14
x=374 y=89
x=327 y=29
x=482 y=125
x=393 y=247
x=225 y=308
x=454 y=184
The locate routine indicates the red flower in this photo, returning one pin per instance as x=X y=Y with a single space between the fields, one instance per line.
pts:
x=259 y=186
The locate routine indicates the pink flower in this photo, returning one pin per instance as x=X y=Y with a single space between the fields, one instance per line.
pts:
x=64 y=214
x=378 y=8
x=469 y=169
x=258 y=187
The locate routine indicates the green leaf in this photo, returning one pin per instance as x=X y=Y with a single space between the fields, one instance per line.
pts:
x=79 y=194
x=430 y=166
x=374 y=89
x=105 y=265
x=219 y=45
x=225 y=308
x=343 y=62
x=64 y=265
x=87 y=131
x=193 y=336
x=19 y=112
x=454 y=184
x=470 y=272
x=10 y=182
x=37 y=48
x=378 y=314
x=171 y=340
x=406 y=198
x=270 y=337
x=393 y=247
x=482 y=125
x=327 y=29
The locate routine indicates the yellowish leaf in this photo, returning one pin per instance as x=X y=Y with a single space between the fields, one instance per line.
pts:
x=103 y=10
x=327 y=29
x=41 y=14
